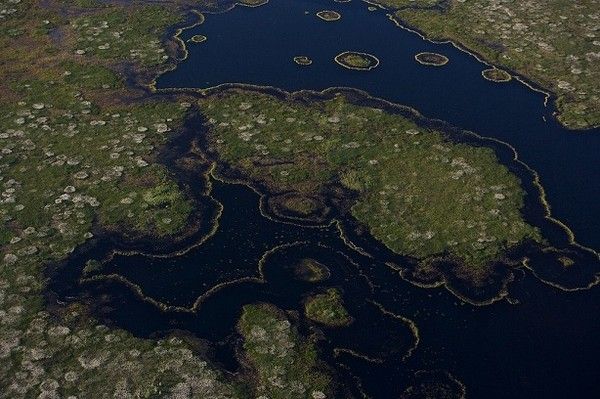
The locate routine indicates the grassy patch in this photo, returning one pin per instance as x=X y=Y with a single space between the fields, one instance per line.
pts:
x=327 y=309
x=77 y=146
x=286 y=366
x=419 y=193
x=125 y=34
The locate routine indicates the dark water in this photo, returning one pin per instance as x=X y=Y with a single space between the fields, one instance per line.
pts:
x=257 y=45
x=544 y=345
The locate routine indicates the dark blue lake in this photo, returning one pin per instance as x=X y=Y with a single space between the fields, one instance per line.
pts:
x=257 y=46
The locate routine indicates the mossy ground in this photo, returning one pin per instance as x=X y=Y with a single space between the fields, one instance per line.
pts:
x=552 y=43
x=78 y=146
x=301 y=205
x=327 y=309
x=419 y=192
x=286 y=365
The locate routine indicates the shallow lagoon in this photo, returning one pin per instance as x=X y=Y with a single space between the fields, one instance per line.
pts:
x=257 y=46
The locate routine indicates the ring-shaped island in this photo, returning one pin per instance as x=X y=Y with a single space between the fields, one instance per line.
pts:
x=496 y=75
x=302 y=60
x=329 y=15
x=431 y=59
x=198 y=39
x=357 y=61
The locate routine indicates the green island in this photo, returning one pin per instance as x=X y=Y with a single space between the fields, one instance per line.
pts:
x=431 y=59
x=551 y=43
x=357 y=61
x=328 y=15
x=311 y=271
x=419 y=192
x=286 y=365
x=198 y=39
x=496 y=75
x=302 y=60
x=327 y=309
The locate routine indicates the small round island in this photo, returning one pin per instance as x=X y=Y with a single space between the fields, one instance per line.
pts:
x=496 y=75
x=198 y=39
x=302 y=60
x=357 y=61
x=328 y=15
x=431 y=59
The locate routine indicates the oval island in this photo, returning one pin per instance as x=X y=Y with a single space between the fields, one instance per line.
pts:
x=198 y=39
x=302 y=60
x=431 y=59
x=328 y=15
x=253 y=3
x=496 y=75
x=357 y=61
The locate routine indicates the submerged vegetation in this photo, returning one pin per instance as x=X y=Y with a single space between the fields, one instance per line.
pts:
x=311 y=271
x=327 y=309
x=419 y=193
x=552 y=43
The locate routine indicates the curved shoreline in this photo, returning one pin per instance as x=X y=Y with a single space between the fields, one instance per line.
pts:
x=374 y=60
x=152 y=90
x=549 y=96
x=494 y=143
